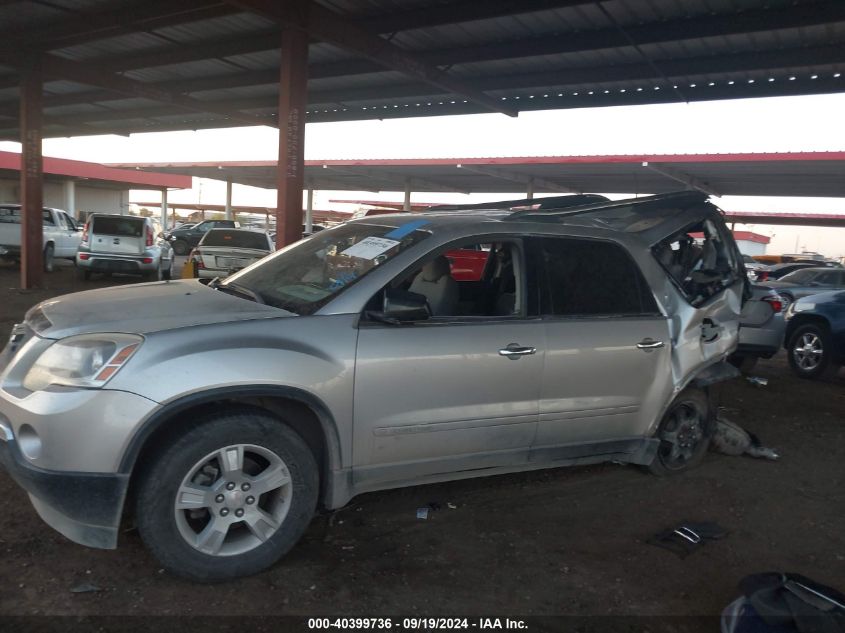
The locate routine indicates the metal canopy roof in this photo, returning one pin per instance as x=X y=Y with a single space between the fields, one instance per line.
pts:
x=819 y=174
x=95 y=175
x=123 y=66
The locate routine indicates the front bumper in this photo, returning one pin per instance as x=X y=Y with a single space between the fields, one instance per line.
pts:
x=85 y=507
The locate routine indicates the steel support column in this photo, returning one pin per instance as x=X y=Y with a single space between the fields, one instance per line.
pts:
x=529 y=190
x=31 y=183
x=309 y=211
x=164 y=210
x=69 y=190
x=293 y=85
x=406 y=206
x=228 y=207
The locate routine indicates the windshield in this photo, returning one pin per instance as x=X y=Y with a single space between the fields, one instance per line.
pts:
x=802 y=276
x=306 y=276
x=236 y=239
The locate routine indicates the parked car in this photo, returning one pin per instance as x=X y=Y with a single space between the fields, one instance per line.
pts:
x=126 y=244
x=225 y=412
x=808 y=281
x=753 y=267
x=60 y=239
x=761 y=328
x=777 y=271
x=815 y=335
x=187 y=237
x=225 y=251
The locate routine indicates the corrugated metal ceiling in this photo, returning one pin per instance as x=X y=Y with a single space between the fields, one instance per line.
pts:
x=534 y=54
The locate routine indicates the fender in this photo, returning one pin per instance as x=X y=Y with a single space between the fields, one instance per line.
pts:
x=154 y=421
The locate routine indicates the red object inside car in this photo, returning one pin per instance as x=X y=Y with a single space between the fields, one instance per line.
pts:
x=467 y=264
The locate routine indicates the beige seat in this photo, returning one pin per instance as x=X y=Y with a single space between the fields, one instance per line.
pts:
x=435 y=282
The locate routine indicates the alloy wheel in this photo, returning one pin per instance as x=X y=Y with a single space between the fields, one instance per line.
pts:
x=808 y=351
x=681 y=435
x=233 y=500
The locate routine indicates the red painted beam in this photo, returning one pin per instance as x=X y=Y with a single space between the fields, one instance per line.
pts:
x=293 y=98
x=32 y=223
x=133 y=178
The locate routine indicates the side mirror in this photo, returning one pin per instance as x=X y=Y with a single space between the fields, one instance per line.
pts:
x=401 y=306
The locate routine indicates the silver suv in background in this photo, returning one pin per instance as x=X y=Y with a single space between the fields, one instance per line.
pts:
x=226 y=412
x=124 y=244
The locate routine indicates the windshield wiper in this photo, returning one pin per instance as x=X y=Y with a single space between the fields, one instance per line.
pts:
x=237 y=289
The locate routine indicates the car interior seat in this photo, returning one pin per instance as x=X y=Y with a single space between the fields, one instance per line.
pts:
x=435 y=282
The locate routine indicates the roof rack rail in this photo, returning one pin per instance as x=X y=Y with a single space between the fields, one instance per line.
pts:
x=690 y=197
x=536 y=204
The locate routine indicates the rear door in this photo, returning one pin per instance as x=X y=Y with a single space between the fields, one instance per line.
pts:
x=117 y=234
x=704 y=264
x=67 y=237
x=607 y=367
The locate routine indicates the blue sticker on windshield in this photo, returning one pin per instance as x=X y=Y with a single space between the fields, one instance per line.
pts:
x=405 y=229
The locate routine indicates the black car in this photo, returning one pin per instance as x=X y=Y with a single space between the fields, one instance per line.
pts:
x=779 y=270
x=185 y=238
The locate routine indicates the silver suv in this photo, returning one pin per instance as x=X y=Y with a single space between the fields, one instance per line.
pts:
x=124 y=244
x=390 y=351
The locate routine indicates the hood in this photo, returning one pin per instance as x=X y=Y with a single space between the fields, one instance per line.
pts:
x=143 y=308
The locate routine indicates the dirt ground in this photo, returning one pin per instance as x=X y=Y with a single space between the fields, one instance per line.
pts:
x=564 y=541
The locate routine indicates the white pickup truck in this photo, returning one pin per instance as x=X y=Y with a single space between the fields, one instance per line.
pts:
x=61 y=234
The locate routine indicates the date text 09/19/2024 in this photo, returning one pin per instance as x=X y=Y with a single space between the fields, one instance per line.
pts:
x=416 y=624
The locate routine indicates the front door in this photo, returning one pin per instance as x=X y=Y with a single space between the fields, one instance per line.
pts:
x=455 y=392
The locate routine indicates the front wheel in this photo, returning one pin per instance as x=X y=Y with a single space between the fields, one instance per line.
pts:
x=684 y=433
x=809 y=352
x=228 y=497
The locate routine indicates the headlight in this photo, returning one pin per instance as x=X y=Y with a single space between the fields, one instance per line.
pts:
x=82 y=361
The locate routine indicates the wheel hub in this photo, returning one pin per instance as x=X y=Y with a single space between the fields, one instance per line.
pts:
x=233 y=500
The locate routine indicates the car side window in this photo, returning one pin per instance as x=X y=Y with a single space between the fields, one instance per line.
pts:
x=584 y=278
x=830 y=278
x=470 y=280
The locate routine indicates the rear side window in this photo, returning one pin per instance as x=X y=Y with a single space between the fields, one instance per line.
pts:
x=118 y=225
x=12 y=215
x=237 y=239
x=589 y=278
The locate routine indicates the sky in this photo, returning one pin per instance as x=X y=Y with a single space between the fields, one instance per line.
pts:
x=784 y=124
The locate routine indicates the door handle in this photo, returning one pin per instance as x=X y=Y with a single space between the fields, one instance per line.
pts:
x=514 y=351
x=649 y=344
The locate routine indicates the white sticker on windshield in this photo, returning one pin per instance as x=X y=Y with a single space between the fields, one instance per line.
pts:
x=370 y=247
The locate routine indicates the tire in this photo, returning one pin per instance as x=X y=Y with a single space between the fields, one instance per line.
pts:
x=167 y=275
x=263 y=444
x=49 y=259
x=745 y=364
x=83 y=274
x=180 y=247
x=682 y=448
x=787 y=299
x=809 y=352
x=154 y=275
